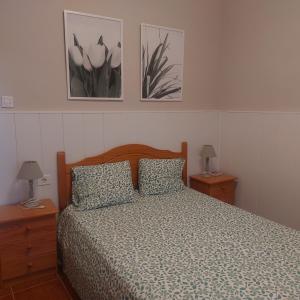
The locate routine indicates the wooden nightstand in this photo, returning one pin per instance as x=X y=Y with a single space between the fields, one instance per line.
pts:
x=221 y=187
x=27 y=240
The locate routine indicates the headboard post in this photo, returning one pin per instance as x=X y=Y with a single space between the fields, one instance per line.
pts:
x=62 y=184
x=184 y=150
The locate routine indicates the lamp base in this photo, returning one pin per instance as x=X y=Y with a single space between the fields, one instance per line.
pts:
x=31 y=203
x=205 y=174
x=216 y=173
x=211 y=174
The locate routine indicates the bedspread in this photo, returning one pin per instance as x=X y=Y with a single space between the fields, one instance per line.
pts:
x=184 y=245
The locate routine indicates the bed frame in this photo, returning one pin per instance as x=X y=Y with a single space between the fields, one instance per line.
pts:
x=131 y=152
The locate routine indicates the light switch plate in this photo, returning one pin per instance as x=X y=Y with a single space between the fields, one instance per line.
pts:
x=7 y=101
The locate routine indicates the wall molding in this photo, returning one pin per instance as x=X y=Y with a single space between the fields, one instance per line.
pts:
x=259 y=112
x=7 y=111
x=101 y=111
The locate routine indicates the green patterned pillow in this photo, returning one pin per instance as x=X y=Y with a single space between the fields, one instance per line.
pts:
x=102 y=185
x=160 y=176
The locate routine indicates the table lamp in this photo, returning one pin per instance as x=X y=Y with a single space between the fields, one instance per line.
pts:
x=207 y=152
x=30 y=171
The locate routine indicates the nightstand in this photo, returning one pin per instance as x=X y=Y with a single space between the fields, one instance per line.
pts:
x=221 y=187
x=27 y=240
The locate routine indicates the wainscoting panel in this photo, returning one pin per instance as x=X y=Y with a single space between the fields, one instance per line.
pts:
x=93 y=134
x=73 y=132
x=163 y=130
x=28 y=135
x=8 y=159
x=29 y=146
x=262 y=150
x=39 y=135
x=52 y=139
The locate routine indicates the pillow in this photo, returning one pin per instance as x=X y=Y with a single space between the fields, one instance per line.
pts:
x=102 y=185
x=160 y=176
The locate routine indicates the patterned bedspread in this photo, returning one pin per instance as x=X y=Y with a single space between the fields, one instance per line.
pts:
x=178 y=246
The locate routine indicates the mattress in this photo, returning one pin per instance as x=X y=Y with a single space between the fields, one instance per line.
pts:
x=184 y=245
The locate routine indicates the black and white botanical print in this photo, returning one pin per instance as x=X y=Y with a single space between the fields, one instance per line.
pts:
x=94 y=56
x=162 y=52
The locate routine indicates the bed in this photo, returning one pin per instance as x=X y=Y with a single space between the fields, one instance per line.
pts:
x=181 y=245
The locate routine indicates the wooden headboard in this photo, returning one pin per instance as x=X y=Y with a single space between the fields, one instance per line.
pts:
x=131 y=152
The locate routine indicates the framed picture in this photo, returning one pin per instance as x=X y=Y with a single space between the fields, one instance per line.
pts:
x=94 y=56
x=162 y=57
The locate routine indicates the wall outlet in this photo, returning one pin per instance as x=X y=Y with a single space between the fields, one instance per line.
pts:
x=45 y=180
x=7 y=101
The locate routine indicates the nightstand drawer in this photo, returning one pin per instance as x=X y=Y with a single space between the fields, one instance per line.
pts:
x=199 y=186
x=35 y=229
x=37 y=247
x=27 y=241
x=224 y=191
x=221 y=187
x=40 y=228
x=13 y=231
x=25 y=265
x=22 y=249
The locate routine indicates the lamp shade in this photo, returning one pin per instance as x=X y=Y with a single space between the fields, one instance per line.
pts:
x=30 y=170
x=208 y=151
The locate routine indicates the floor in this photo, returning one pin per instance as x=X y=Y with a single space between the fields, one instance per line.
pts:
x=51 y=288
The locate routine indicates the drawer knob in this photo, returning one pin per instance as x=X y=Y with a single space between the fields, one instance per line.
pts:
x=29 y=265
x=28 y=228
x=29 y=247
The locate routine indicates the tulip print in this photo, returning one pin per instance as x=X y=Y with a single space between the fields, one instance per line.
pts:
x=115 y=54
x=95 y=71
x=86 y=62
x=76 y=52
x=94 y=56
x=76 y=55
x=97 y=53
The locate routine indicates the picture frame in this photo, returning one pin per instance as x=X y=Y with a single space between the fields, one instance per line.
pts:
x=162 y=63
x=94 y=57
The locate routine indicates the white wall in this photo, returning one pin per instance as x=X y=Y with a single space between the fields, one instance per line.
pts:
x=262 y=149
x=32 y=52
x=259 y=56
x=259 y=71
x=39 y=135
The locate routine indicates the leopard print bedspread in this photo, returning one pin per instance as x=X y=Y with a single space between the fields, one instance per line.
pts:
x=184 y=245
